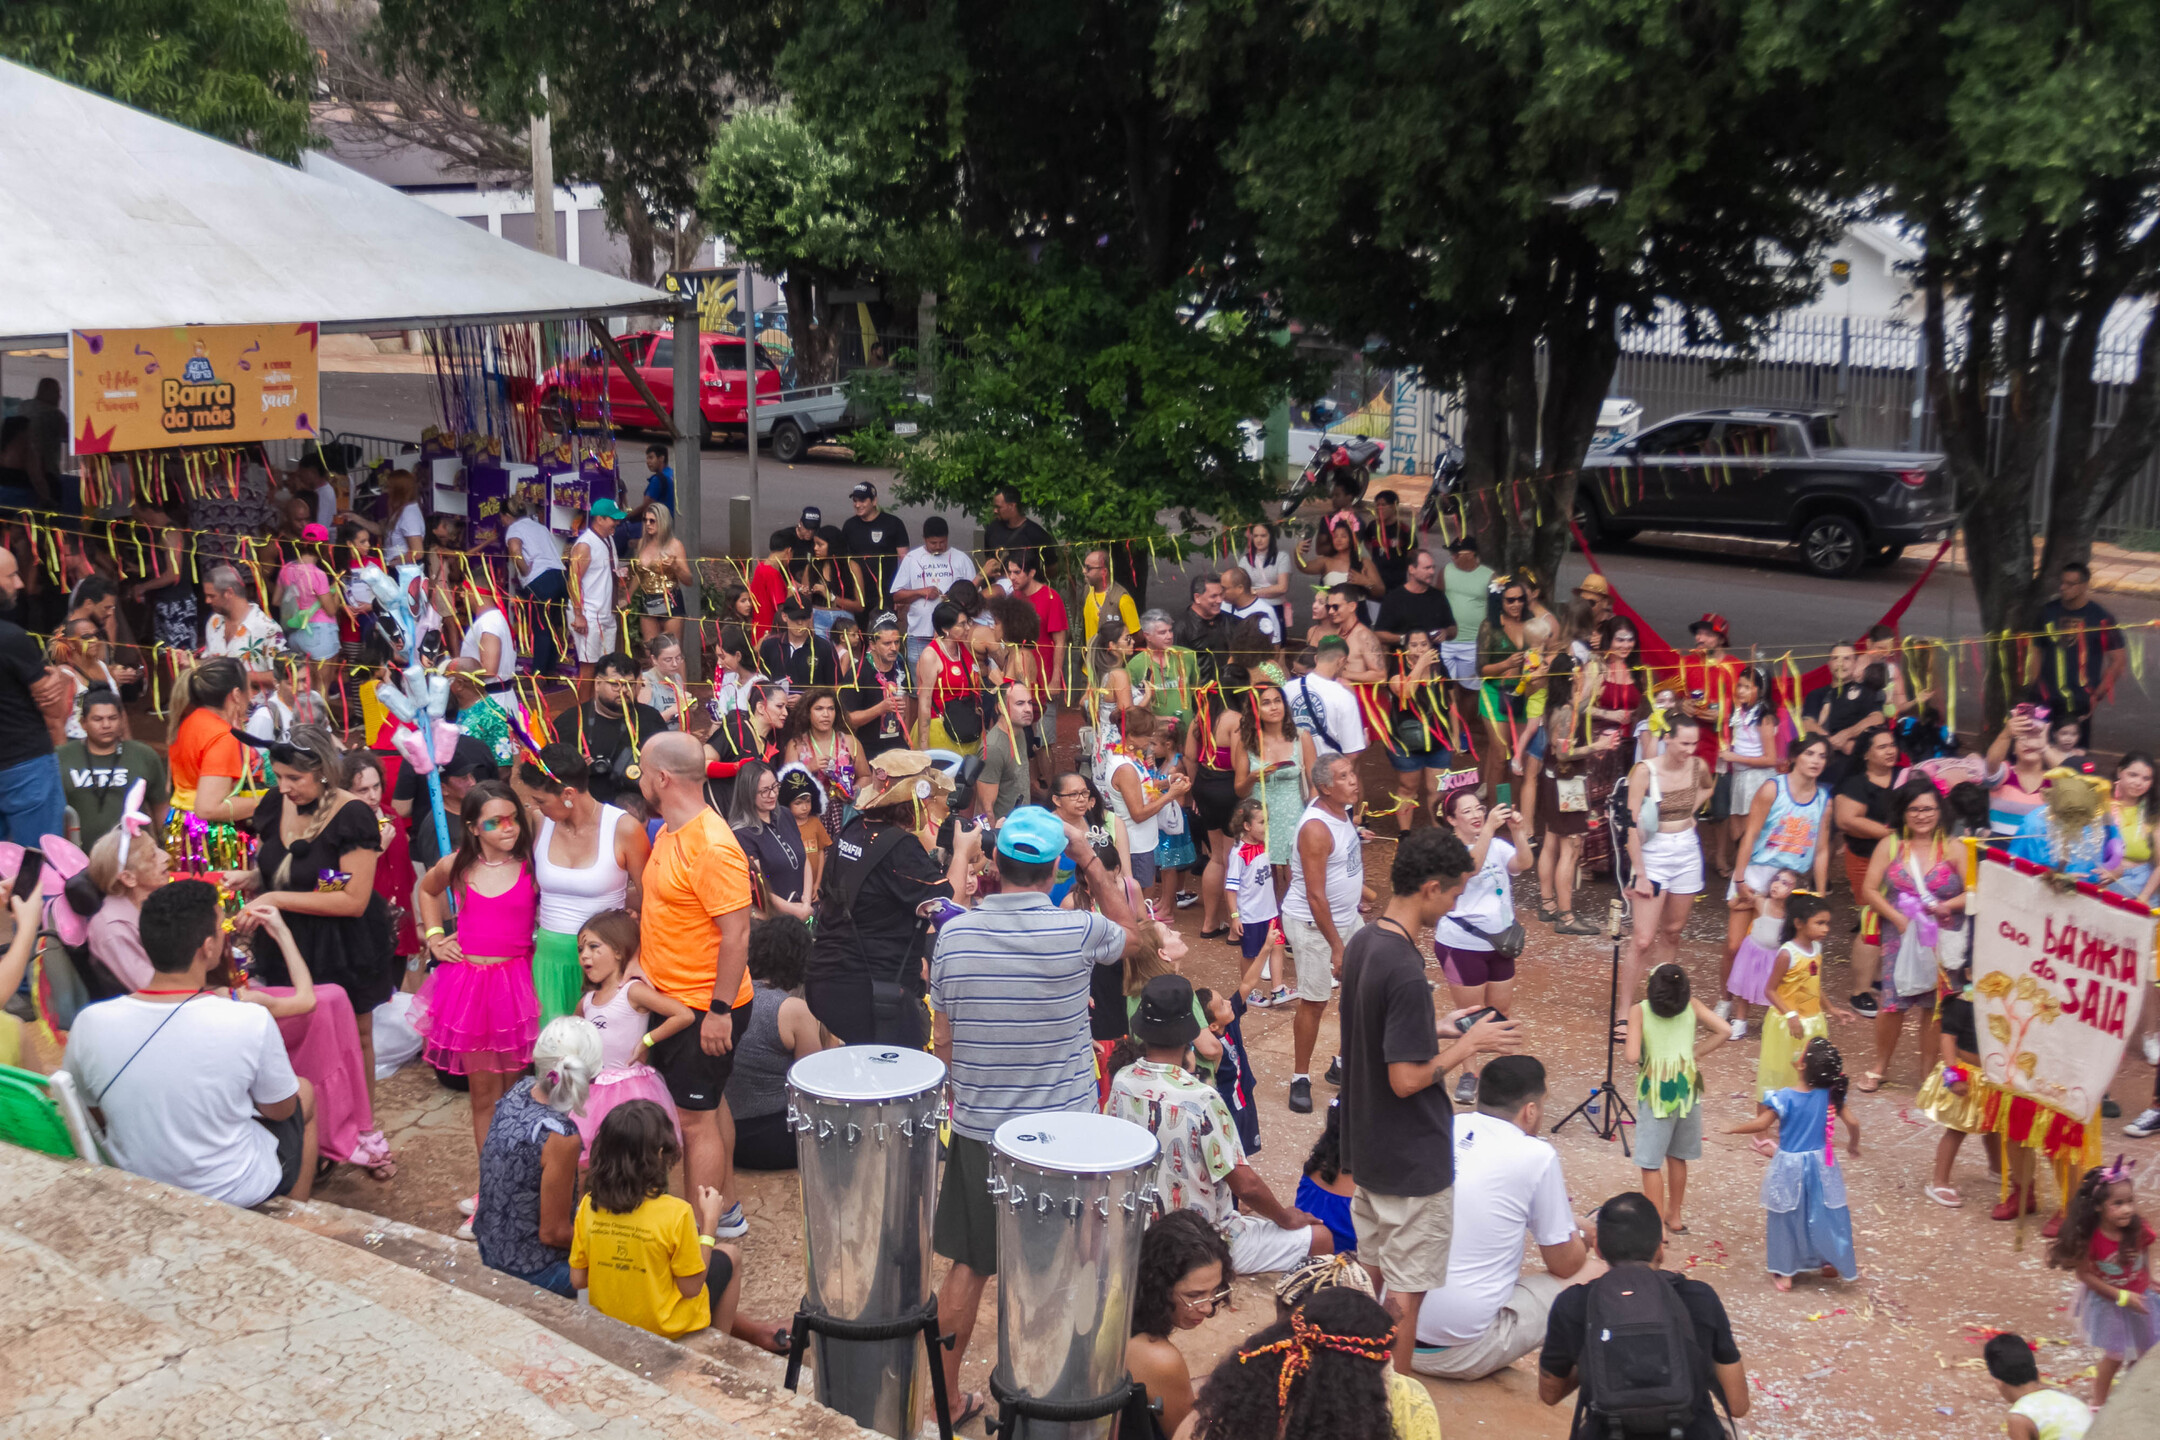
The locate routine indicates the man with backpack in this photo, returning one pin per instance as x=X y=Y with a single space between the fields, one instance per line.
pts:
x=1651 y=1351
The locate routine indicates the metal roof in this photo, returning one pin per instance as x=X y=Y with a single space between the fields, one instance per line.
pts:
x=118 y=219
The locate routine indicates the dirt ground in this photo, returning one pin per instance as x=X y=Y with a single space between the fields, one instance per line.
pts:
x=1896 y=1352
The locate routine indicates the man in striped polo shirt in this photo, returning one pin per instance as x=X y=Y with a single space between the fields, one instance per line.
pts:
x=1009 y=985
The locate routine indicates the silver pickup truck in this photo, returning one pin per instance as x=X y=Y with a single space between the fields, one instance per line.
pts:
x=1768 y=474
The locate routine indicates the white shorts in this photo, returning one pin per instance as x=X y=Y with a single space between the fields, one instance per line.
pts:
x=597 y=640
x=1309 y=953
x=1460 y=658
x=1674 y=861
x=1261 y=1247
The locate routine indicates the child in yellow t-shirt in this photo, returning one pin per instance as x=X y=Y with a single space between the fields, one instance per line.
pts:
x=1795 y=990
x=646 y=1259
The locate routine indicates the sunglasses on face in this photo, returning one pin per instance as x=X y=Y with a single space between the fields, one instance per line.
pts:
x=1511 y=599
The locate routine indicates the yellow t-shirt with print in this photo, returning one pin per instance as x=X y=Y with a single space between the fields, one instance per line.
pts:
x=631 y=1262
x=1410 y=1407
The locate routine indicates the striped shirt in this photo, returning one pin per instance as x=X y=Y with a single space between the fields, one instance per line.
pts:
x=1011 y=978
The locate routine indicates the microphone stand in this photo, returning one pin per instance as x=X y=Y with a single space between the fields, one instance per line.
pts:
x=1606 y=1123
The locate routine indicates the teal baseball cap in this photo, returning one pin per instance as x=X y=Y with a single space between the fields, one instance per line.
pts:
x=607 y=510
x=1031 y=835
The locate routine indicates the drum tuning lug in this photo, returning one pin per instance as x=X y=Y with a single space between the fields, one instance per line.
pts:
x=1072 y=1208
x=907 y=1128
x=1043 y=1202
x=1102 y=1206
x=826 y=1130
x=1152 y=1198
x=854 y=1132
x=1129 y=1204
x=882 y=1129
x=997 y=1185
x=1017 y=1196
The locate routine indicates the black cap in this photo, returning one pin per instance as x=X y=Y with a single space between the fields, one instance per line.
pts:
x=473 y=758
x=1165 y=1016
x=1461 y=543
x=863 y=490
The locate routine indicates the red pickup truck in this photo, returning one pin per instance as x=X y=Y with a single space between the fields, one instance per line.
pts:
x=721 y=381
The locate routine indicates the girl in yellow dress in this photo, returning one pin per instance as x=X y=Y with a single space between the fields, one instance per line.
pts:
x=1795 y=990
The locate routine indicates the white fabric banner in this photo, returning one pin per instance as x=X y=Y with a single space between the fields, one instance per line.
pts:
x=2059 y=975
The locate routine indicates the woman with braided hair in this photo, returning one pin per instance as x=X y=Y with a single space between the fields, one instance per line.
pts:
x=1323 y=1374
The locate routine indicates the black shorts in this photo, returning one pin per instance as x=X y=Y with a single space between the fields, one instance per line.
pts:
x=695 y=1079
x=291 y=1134
x=964 y=1230
x=1214 y=797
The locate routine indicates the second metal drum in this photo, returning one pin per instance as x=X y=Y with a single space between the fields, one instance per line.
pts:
x=1073 y=1201
x=866 y=1137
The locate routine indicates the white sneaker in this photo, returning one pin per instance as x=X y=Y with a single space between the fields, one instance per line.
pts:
x=464 y=1230
x=2152 y=1048
x=733 y=1225
x=468 y=1205
x=1724 y=1010
x=1739 y=1029
x=2146 y=1124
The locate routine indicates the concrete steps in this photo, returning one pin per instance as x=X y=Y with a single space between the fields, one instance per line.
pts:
x=130 y=1309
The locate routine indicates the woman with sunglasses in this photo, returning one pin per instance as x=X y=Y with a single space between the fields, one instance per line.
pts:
x=1511 y=665
x=315 y=863
x=1185 y=1276
x=1610 y=690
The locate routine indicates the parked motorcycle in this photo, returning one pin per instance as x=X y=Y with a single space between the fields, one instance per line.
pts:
x=1447 y=479
x=1336 y=458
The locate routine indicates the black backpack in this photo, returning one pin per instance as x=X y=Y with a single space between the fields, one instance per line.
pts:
x=1642 y=1371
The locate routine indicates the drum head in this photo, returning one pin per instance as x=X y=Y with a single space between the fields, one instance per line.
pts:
x=1079 y=1143
x=865 y=1073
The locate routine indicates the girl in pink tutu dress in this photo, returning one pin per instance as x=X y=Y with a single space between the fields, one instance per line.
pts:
x=477 y=1011
x=620 y=1005
x=1747 y=980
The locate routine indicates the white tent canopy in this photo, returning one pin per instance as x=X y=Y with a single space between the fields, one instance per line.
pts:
x=121 y=220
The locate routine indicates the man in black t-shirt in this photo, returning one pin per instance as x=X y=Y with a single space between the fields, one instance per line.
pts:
x=1396 y=1117
x=1843 y=711
x=1011 y=534
x=31 y=803
x=1631 y=1238
x=2077 y=664
x=1393 y=551
x=1418 y=603
x=879 y=708
x=611 y=728
x=794 y=653
x=875 y=538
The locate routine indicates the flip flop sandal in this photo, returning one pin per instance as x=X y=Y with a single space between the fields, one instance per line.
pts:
x=1866 y=1075
x=1677 y=1229
x=323 y=1166
x=1944 y=1196
x=1215 y=934
x=972 y=1405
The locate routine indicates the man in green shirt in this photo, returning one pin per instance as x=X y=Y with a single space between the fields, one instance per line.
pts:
x=1002 y=786
x=95 y=772
x=1465 y=582
x=1173 y=673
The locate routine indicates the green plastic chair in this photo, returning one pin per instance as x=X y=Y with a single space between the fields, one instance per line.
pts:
x=30 y=1114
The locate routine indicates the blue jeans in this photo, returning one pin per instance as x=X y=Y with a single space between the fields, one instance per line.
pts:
x=31 y=805
x=554 y=1277
x=916 y=644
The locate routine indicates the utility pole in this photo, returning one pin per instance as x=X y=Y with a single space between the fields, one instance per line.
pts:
x=543 y=168
x=749 y=311
x=689 y=477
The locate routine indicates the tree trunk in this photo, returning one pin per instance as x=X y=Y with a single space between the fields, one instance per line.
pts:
x=806 y=327
x=639 y=232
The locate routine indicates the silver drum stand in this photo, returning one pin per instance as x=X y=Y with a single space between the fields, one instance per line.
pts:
x=1073 y=1201
x=865 y=1119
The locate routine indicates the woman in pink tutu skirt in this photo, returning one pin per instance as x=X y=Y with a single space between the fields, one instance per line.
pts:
x=477 y=1011
x=621 y=1004
x=1747 y=974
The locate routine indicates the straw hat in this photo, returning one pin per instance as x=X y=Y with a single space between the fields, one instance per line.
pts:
x=1594 y=587
x=901 y=775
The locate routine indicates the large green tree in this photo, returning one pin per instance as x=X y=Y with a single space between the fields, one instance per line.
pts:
x=2022 y=139
x=1103 y=328
x=236 y=69
x=633 y=91
x=1492 y=188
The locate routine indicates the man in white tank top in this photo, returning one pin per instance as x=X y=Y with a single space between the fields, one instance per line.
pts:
x=1320 y=909
x=592 y=589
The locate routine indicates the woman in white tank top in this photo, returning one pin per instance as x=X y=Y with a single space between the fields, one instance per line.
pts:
x=587 y=858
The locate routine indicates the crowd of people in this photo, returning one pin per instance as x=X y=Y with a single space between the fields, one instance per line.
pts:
x=878 y=824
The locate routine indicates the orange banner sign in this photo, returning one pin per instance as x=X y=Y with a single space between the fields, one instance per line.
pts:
x=191 y=385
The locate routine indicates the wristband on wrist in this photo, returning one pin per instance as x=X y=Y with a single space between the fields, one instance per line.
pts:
x=707 y=1241
x=2122 y=1298
x=647 y=1037
x=431 y=932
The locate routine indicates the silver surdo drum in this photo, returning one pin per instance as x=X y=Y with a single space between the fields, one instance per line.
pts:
x=865 y=1119
x=1073 y=1201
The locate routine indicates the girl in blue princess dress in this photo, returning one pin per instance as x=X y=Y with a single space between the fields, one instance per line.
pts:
x=1803 y=1191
